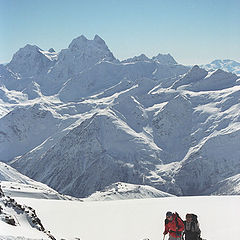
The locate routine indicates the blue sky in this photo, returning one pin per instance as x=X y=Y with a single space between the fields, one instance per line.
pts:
x=192 y=31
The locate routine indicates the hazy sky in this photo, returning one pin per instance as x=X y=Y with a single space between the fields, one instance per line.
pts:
x=192 y=31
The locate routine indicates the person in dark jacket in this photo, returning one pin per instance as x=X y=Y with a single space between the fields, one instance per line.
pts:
x=174 y=226
x=191 y=228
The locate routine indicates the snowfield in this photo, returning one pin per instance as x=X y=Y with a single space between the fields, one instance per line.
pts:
x=104 y=215
x=135 y=219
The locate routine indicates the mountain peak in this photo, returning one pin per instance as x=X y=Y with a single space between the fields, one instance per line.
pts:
x=193 y=75
x=78 y=42
x=196 y=73
x=30 y=46
x=99 y=40
x=164 y=59
x=29 y=61
x=26 y=51
x=218 y=71
x=139 y=58
x=82 y=44
x=81 y=54
x=51 y=50
x=221 y=74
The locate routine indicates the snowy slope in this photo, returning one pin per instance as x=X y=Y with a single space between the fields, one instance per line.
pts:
x=226 y=65
x=18 y=221
x=24 y=128
x=228 y=186
x=15 y=184
x=91 y=151
x=135 y=219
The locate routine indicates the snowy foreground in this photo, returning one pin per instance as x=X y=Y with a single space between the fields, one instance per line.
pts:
x=132 y=219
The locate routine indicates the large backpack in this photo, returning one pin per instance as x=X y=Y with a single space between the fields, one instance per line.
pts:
x=194 y=218
x=193 y=224
x=177 y=216
x=176 y=221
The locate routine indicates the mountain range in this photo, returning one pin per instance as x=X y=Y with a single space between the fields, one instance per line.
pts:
x=226 y=65
x=81 y=120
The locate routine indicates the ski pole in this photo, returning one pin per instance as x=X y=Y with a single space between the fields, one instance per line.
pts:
x=164 y=236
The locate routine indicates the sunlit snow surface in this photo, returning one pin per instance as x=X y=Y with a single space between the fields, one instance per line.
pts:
x=135 y=219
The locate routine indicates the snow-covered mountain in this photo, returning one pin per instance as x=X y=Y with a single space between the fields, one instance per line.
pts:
x=82 y=120
x=22 y=130
x=198 y=79
x=30 y=61
x=226 y=65
x=164 y=59
x=120 y=190
x=229 y=186
x=139 y=58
